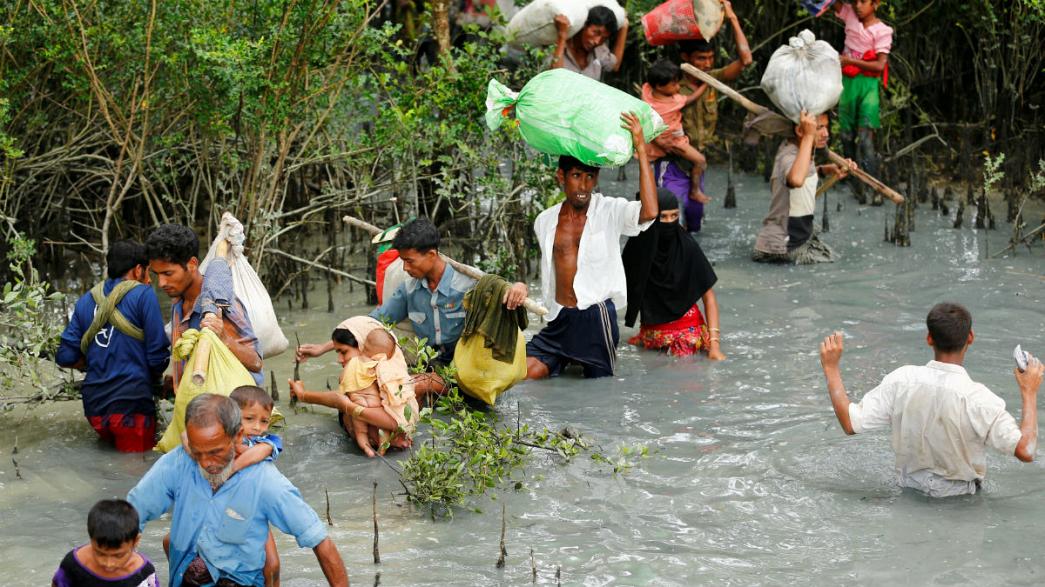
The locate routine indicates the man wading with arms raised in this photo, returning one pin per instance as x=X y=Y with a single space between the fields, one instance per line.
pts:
x=582 y=275
x=941 y=419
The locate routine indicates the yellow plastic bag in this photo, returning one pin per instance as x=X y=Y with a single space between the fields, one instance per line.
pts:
x=483 y=377
x=224 y=373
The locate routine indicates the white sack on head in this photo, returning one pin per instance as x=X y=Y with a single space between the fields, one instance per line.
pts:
x=248 y=287
x=618 y=11
x=535 y=24
x=805 y=75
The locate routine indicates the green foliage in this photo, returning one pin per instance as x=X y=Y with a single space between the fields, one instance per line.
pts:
x=471 y=452
x=30 y=322
x=625 y=458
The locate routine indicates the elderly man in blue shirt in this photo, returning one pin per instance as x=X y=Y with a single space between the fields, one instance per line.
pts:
x=432 y=298
x=220 y=519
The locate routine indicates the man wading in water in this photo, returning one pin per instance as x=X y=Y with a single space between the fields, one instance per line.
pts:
x=582 y=275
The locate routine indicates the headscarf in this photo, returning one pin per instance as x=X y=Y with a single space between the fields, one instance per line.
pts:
x=666 y=270
x=360 y=327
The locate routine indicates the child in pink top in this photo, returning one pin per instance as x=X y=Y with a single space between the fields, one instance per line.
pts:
x=661 y=92
x=865 y=69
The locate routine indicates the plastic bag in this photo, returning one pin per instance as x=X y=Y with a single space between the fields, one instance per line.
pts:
x=482 y=376
x=535 y=24
x=805 y=75
x=248 y=288
x=224 y=373
x=565 y=113
x=682 y=20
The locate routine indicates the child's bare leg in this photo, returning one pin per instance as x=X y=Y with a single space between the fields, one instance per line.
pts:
x=362 y=436
x=167 y=546
x=271 y=568
x=700 y=164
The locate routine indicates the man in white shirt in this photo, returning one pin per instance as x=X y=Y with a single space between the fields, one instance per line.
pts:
x=582 y=275
x=941 y=419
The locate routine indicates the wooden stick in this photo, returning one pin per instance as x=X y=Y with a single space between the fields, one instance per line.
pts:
x=200 y=359
x=863 y=176
x=504 y=526
x=468 y=270
x=758 y=109
x=320 y=266
x=828 y=184
x=377 y=552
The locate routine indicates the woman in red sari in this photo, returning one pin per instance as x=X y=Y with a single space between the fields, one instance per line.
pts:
x=668 y=275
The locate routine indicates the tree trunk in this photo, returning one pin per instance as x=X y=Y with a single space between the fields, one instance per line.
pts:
x=441 y=18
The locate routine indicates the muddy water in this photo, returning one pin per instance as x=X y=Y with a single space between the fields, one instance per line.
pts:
x=749 y=479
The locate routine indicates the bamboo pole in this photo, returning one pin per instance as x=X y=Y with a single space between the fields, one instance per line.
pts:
x=468 y=270
x=200 y=360
x=758 y=109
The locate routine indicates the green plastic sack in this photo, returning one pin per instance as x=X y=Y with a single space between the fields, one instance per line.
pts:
x=224 y=373
x=560 y=112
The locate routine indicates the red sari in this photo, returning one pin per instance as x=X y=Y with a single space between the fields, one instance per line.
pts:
x=682 y=338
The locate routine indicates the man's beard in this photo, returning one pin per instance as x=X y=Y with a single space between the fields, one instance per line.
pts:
x=216 y=480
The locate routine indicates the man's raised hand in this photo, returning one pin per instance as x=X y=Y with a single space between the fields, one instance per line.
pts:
x=630 y=121
x=516 y=295
x=831 y=351
x=1030 y=380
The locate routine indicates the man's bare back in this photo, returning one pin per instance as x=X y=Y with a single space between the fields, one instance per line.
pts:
x=568 y=232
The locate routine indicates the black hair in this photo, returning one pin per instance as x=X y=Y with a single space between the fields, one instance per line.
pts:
x=208 y=409
x=663 y=72
x=112 y=523
x=123 y=256
x=247 y=395
x=695 y=46
x=344 y=336
x=600 y=15
x=418 y=234
x=568 y=163
x=172 y=243
x=949 y=324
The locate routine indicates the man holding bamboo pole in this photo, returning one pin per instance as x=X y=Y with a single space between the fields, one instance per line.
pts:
x=172 y=250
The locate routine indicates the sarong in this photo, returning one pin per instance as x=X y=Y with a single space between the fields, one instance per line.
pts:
x=587 y=337
x=682 y=338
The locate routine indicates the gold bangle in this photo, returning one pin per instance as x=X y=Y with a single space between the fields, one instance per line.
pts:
x=714 y=330
x=358 y=411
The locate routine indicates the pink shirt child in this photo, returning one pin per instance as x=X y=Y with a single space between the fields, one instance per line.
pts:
x=670 y=110
x=860 y=40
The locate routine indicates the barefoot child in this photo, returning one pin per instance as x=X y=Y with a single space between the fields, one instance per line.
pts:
x=111 y=558
x=375 y=395
x=661 y=91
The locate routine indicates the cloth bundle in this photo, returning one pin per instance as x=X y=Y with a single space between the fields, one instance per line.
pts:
x=535 y=24
x=560 y=112
x=248 y=287
x=805 y=75
x=491 y=354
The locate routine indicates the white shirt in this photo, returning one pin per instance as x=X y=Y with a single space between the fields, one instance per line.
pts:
x=941 y=422
x=600 y=270
x=802 y=201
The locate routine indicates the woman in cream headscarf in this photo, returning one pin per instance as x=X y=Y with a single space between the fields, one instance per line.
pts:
x=398 y=413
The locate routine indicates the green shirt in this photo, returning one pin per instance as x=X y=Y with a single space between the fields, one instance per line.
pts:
x=700 y=118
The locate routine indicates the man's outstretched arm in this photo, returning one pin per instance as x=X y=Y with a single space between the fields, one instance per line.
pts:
x=1029 y=382
x=830 y=357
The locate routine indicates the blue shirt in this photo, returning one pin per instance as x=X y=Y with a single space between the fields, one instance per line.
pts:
x=437 y=316
x=227 y=528
x=272 y=440
x=121 y=371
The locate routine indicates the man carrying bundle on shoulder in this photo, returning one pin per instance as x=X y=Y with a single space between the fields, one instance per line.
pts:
x=582 y=275
x=198 y=301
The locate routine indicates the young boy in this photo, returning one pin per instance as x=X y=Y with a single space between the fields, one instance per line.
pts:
x=787 y=231
x=111 y=558
x=865 y=68
x=661 y=91
x=700 y=118
x=941 y=419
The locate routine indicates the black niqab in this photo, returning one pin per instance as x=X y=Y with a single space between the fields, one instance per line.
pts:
x=666 y=269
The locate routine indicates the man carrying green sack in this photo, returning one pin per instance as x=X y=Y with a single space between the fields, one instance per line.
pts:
x=585 y=287
x=560 y=112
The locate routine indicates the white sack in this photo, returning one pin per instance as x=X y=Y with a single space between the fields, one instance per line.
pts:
x=805 y=75
x=248 y=287
x=535 y=24
x=622 y=16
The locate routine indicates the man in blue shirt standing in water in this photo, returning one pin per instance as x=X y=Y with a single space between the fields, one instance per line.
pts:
x=220 y=520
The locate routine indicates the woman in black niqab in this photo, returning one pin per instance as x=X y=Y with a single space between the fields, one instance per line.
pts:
x=667 y=275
